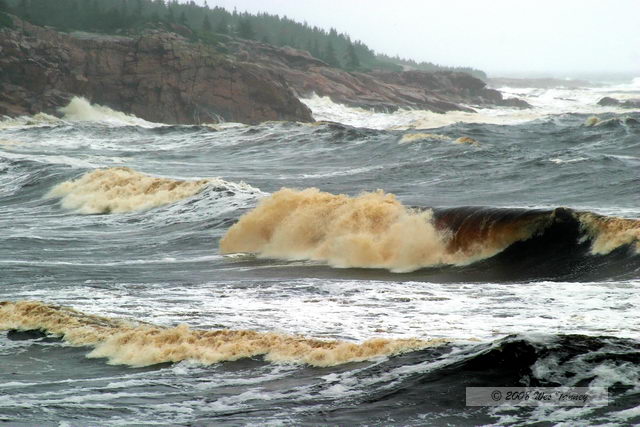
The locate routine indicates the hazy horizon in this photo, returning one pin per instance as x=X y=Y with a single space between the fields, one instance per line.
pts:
x=579 y=39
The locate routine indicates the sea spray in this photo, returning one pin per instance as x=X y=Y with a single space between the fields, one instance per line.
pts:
x=80 y=109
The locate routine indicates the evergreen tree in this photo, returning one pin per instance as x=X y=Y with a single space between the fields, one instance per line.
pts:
x=25 y=10
x=245 y=29
x=223 y=25
x=315 y=49
x=171 y=17
x=4 y=7
x=112 y=20
x=333 y=47
x=330 y=55
x=282 y=37
x=206 y=25
x=351 y=61
x=124 y=13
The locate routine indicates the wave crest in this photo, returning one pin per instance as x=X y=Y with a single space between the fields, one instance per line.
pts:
x=141 y=344
x=374 y=230
x=122 y=189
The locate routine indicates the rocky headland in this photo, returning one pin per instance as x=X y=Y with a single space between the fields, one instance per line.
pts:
x=163 y=76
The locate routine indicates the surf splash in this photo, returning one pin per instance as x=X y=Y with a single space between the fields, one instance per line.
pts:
x=141 y=344
x=374 y=230
x=122 y=189
x=80 y=109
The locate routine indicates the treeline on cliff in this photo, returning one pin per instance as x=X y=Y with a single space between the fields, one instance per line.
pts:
x=211 y=25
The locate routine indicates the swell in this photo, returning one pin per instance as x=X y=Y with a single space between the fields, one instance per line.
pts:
x=443 y=374
x=142 y=344
x=375 y=230
x=122 y=189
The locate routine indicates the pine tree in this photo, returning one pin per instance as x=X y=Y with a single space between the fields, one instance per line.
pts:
x=351 y=61
x=171 y=17
x=25 y=10
x=206 y=25
x=223 y=25
x=245 y=29
x=330 y=55
x=315 y=49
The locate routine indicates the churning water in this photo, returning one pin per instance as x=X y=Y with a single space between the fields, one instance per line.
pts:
x=361 y=272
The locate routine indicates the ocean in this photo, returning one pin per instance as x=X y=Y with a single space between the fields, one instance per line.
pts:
x=361 y=270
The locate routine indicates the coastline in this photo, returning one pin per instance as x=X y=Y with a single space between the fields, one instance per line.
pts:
x=161 y=76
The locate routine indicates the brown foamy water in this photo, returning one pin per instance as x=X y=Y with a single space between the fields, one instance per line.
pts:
x=609 y=233
x=122 y=189
x=140 y=344
x=373 y=230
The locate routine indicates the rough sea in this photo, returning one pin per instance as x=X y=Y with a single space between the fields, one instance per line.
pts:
x=361 y=270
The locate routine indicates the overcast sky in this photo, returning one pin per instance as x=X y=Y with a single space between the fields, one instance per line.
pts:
x=559 y=37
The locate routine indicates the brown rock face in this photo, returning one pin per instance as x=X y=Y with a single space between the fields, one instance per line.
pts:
x=158 y=76
x=378 y=90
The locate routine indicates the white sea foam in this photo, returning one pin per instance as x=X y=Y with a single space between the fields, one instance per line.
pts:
x=559 y=161
x=545 y=102
x=80 y=109
x=40 y=119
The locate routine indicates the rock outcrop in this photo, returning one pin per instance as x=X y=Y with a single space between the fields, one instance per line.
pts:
x=607 y=101
x=378 y=90
x=158 y=76
x=161 y=76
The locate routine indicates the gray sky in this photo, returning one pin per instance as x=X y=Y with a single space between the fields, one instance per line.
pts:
x=559 y=37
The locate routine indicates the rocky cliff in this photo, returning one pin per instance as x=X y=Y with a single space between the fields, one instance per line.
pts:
x=161 y=76
x=158 y=76
x=380 y=91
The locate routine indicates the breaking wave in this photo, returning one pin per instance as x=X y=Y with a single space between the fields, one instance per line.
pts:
x=80 y=109
x=142 y=344
x=40 y=119
x=374 y=230
x=122 y=189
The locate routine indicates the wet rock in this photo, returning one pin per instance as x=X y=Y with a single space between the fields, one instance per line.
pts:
x=607 y=101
